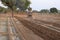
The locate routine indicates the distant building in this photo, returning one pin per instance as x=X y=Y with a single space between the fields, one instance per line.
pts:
x=35 y=11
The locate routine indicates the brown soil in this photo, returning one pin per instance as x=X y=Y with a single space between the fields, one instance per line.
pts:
x=41 y=31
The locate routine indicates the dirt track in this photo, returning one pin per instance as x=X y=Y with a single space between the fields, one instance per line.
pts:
x=21 y=27
x=44 y=31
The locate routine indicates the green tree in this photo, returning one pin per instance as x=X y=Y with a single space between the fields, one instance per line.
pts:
x=27 y=4
x=30 y=9
x=23 y=5
x=53 y=10
x=9 y=3
x=2 y=9
x=12 y=4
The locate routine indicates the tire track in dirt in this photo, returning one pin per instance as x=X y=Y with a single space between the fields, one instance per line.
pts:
x=44 y=32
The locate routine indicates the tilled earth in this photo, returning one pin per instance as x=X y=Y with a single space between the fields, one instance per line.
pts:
x=43 y=28
x=40 y=27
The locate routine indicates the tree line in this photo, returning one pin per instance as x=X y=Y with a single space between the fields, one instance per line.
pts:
x=51 y=10
x=23 y=5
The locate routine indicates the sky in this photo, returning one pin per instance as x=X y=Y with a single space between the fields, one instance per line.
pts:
x=42 y=4
x=2 y=5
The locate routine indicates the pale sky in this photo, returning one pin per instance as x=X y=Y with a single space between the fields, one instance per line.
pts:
x=43 y=4
x=2 y=4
